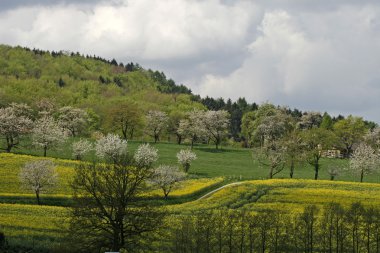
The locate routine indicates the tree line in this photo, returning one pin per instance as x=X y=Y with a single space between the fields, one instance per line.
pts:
x=331 y=228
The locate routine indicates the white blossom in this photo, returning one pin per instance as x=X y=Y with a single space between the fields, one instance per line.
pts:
x=14 y=121
x=364 y=160
x=185 y=157
x=39 y=176
x=111 y=147
x=166 y=177
x=156 y=122
x=81 y=148
x=145 y=156
x=48 y=134
x=216 y=124
x=72 y=119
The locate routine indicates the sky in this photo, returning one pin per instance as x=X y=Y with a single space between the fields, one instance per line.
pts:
x=312 y=55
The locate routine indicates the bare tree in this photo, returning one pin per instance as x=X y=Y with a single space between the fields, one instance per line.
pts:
x=15 y=121
x=156 y=122
x=185 y=157
x=364 y=160
x=166 y=178
x=39 y=176
x=47 y=134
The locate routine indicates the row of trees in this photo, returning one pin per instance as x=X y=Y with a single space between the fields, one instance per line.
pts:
x=47 y=128
x=333 y=228
x=280 y=140
x=195 y=125
x=40 y=176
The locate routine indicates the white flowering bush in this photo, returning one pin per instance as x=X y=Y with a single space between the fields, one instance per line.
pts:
x=38 y=176
x=166 y=178
x=111 y=147
x=145 y=156
x=47 y=134
x=81 y=148
x=185 y=157
x=364 y=160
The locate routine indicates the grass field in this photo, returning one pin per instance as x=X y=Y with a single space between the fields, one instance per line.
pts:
x=226 y=162
x=25 y=223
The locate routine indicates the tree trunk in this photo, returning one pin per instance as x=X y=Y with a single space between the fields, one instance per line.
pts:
x=361 y=176
x=45 y=149
x=316 y=167
x=270 y=172
x=291 y=169
x=38 y=197
x=179 y=139
x=156 y=138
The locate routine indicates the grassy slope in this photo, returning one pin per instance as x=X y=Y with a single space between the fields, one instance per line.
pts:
x=227 y=162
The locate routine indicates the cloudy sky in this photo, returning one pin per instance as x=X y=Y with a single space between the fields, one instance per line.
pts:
x=314 y=55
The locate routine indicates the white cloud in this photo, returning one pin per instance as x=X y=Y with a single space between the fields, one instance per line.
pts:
x=318 y=55
x=319 y=61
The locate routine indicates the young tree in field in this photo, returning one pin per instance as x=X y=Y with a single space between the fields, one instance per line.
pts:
x=272 y=130
x=156 y=122
x=74 y=120
x=216 y=125
x=185 y=157
x=47 y=134
x=293 y=148
x=166 y=177
x=111 y=147
x=349 y=131
x=106 y=213
x=145 y=156
x=316 y=140
x=125 y=117
x=192 y=126
x=15 y=121
x=272 y=158
x=364 y=160
x=39 y=176
x=333 y=171
x=81 y=148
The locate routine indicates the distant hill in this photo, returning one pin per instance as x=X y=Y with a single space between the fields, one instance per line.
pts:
x=67 y=78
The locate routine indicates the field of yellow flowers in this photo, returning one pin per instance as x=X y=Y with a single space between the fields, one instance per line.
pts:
x=285 y=195
x=23 y=222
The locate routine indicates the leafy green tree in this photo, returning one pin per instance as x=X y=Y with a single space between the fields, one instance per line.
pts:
x=125 y=117
x=327 y=122
x=350 y=131
x=316 y=140
x=106 y=213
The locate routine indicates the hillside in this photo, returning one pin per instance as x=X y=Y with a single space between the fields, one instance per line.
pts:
x=64 y=78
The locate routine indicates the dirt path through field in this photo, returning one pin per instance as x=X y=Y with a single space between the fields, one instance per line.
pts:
x=218 y=189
